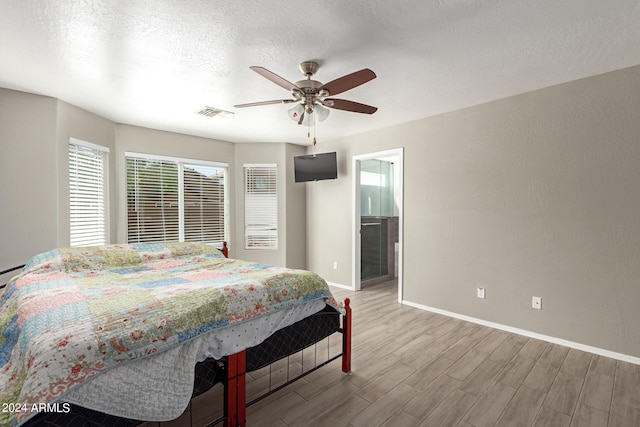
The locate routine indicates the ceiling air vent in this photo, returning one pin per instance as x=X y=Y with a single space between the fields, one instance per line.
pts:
x=213 y=112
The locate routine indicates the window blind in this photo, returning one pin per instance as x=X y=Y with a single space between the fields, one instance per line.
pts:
x=87 y=194
x=170 y=200
x=260 y=207
x=152 y=201
x=203 y=204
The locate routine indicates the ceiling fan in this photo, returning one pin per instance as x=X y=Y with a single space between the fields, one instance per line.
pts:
x=312 y=96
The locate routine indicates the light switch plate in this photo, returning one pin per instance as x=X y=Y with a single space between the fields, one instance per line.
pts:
x=536 y=302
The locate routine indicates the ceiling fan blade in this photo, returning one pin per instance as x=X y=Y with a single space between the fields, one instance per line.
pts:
x=356 y=107
x=275 y=101
x=274 y=78
x=345 y=83
x=301 y=118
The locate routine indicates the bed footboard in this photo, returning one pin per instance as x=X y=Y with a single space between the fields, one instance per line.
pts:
x=235 y=391
x=346 y=337
x=235 y=394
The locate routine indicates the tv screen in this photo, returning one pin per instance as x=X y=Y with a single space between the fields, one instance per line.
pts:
x=315 y=167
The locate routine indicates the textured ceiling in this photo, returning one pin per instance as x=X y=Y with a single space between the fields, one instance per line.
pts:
x=155 y=63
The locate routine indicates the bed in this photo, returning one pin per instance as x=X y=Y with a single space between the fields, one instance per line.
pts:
x=122 y=333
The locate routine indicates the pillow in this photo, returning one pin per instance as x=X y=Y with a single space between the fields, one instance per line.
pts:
x=91 y=258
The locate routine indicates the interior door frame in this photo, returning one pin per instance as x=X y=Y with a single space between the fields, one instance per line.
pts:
x=398 y=155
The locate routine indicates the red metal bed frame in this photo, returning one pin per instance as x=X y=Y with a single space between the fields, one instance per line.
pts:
x=235 y=393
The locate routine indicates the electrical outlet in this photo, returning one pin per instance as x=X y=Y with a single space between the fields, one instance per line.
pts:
x=335 y=265
x=536 y=302
x=481 y=293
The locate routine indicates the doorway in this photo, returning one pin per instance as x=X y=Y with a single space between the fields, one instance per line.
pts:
x=377 y=218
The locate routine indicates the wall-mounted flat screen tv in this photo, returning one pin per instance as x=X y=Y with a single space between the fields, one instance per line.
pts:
x=315 y=167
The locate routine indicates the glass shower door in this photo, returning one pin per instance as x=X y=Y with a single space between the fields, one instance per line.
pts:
x=376 y=197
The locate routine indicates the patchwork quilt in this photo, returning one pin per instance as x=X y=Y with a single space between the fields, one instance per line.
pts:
x=74 y=313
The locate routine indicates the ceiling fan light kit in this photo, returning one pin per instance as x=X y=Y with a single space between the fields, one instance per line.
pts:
x=301 y=114
x=312 y=96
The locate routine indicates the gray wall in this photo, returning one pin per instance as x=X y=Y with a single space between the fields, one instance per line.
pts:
x=535 y=194
x=34 y=137
x=291 y=251
x=296 y=220
x=28 y=176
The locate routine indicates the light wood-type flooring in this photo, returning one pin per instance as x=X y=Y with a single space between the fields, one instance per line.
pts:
x=416 y=368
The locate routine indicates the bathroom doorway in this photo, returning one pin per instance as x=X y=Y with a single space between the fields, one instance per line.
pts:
x=377 y=218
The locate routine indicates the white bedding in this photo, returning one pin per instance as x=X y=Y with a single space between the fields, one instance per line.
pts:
x=159 y=388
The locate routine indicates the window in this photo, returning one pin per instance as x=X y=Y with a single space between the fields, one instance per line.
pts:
x=175 y=200
x=203 y=203
x=87 y=193
x=152 y=201
x=260 y=206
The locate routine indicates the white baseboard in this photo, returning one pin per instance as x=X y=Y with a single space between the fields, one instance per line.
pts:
x=338 y=285
x=554 y=340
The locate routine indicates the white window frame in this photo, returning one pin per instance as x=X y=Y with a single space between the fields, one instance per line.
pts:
x=95 y=231
x=181 y=163
x=261 y=210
